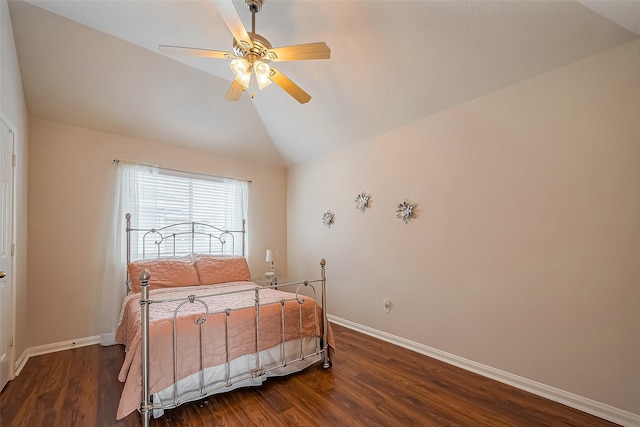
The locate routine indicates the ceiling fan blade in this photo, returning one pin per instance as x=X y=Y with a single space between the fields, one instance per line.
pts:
x=232 y=20
x=193 y=51
x=318 y=50
x=288 y=86
x=234 y=92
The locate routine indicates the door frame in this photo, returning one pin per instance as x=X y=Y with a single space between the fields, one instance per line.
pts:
x=12 y=309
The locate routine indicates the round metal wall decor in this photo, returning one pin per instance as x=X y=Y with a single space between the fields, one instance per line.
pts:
x=328 y=218
x=362 y=201
x=406 y=211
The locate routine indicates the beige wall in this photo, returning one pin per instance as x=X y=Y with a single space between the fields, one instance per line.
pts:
x=71 y=177
x=525 y=254
x=13 y=109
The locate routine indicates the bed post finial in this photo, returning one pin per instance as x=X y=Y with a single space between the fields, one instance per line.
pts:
x=145 y=275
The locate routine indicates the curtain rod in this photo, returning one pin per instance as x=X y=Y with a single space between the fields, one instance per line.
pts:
x=183 y=171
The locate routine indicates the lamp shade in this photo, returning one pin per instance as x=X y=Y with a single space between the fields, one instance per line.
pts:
x=269 y=257
x=242 y=70
x=262 y=71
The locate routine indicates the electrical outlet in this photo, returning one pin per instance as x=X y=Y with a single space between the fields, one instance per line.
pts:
x=386 y=305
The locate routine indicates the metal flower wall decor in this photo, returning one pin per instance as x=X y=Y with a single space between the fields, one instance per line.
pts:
x=328 y=218
x=406 y=211
x=362 y=201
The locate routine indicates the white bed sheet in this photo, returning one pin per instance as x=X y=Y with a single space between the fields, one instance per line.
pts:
x=188 y=389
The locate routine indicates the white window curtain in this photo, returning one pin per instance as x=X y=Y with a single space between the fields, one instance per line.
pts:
x=155 y=198
x=115 y=274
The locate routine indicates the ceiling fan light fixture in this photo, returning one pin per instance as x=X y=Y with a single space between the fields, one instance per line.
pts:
x=262 y=71
x=242 y=70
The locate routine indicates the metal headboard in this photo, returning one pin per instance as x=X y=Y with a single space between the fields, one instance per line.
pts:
x=199 y=238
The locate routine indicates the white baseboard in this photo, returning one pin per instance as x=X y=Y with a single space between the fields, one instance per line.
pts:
x=584 y=404
x=22 y=360
x=52 y=348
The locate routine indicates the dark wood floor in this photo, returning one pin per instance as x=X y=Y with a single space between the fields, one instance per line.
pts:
x=371 y=383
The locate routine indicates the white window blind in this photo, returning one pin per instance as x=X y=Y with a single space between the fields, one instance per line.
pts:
x=168 y=197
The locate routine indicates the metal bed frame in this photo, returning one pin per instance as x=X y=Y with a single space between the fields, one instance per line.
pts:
x=192 y=231
x=211 y=235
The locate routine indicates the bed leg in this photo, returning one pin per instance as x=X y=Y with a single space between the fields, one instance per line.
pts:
x=325 y=321
x=145 y=417
x=145 y=405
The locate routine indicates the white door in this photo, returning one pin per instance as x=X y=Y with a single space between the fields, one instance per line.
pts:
x=6 y=255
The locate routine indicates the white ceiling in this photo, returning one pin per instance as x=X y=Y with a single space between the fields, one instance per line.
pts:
x=95 y=64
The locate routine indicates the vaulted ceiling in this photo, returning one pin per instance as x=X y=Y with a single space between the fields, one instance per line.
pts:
x=95 y=64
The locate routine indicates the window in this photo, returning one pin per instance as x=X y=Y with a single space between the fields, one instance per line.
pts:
x=167 y=197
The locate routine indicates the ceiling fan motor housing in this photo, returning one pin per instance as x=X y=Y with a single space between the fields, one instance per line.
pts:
x=258 y=52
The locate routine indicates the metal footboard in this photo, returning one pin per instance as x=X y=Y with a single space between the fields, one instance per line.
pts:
x=260 y=370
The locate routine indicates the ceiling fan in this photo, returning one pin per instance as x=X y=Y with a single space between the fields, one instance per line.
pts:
x=252 y=54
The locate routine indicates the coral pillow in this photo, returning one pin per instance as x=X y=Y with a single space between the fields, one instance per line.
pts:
x=165 y=272
x=214 y=269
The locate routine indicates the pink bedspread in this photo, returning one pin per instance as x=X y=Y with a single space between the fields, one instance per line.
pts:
x=242 y=332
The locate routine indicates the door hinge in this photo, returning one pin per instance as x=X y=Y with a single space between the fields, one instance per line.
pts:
x=13 y=160
x=13 y=249
x=11 y=341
